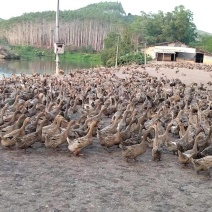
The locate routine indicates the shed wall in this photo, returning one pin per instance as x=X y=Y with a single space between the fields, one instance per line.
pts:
x=207 y=60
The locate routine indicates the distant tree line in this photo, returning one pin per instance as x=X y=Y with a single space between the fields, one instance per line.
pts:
x=97 y=28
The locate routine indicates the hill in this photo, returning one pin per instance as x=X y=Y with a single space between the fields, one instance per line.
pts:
x=85 y=27
x=88 y=27
x=200 y=32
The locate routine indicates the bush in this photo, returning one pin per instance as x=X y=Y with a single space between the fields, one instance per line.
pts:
x=133 y=57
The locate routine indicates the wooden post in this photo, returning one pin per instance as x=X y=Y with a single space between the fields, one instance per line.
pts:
x=163 y=55
x=117 y=51
x=145 y=53
x=57 y=37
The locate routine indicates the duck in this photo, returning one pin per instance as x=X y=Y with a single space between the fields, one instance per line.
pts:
x=96 y=118
x=32 y=127
x=156 y=149
x=3 y=110
x=58 y=139
x=202 y=164
x=204 y=143
x=122 y=124
x=185 y=157
x=164 y=138
x=51 y=115
x=12 y=127
x=9 y=139
x=207 y=151
x=111 y=129
x=53 y=128
x=13 y=116
x=78 y=144
x=133 y=151
x=28 y=140
x=108 y=140
x=126 y=133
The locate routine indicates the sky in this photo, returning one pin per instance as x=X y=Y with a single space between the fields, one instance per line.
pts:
x=201 y=9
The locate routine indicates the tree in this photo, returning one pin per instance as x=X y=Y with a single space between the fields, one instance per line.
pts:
x=180 y=25
x=108 y=54
x=205 y=43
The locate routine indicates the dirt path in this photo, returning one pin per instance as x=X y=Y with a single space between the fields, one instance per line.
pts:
x=46 y=180
x=49 y=180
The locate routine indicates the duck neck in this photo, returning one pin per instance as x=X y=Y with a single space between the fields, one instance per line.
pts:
x=144 y=140
x=100 y=113
x=39 y=130
x=90 y=132
x=208 y=138
x=182 y=128
x=38 y=117
x=60 y=104
x=13 y=119
x=116 y=121
x=75 y=102
x=16 y=101
x=50 y=106
x=58 y=124
x=65 y=133
x=156 y=132
x=24 y=124
x=167 y=129
x=3 y=112
x=195 y=143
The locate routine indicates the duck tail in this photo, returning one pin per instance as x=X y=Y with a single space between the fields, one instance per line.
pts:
x=122 y=146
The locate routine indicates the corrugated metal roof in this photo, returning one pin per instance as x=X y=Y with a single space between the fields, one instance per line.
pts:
x=166 y=51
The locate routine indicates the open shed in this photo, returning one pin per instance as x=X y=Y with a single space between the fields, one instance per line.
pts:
x=177 y=51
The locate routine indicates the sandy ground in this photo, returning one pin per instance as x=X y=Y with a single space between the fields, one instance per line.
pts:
x=46 y=180
x=187 y=76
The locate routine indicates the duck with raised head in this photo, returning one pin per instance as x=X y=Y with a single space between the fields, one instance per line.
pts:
x=202 y=164
x=185 y=157
x=111 y=129
x=33 y=126
x=78 y=144
x=9 y=139
x=53 y=128
x=204 y=143
x=133 y=151
x=207 y=151
x=12 y=127
x=58 y=139
x=3 y=110
x=28 y=140
x=109 y=139
x=156 y=149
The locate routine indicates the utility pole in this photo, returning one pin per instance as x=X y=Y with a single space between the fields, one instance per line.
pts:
x=145 y=53
x=117 y=51
x=57 y=38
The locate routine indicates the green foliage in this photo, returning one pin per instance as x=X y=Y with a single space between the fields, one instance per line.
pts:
x=86 y=49
x=205 y=43
x=81 y=56
x=132 y=31
x=133 y=57
x=112 y=12
x=29 y=52
x=170 y=26
x=108 y=54
x=4 y=43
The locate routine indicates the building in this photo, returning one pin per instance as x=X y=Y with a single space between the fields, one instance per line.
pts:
x=177 y=51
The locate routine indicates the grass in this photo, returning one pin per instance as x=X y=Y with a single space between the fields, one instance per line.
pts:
x=29 y=52
x=81 y=56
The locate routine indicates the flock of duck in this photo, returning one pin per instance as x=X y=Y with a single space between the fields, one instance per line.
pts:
x=127 y=108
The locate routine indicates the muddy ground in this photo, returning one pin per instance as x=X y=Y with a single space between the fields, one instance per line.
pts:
x=41 y=179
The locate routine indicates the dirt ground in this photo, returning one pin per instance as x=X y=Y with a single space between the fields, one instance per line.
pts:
x=42 y=179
